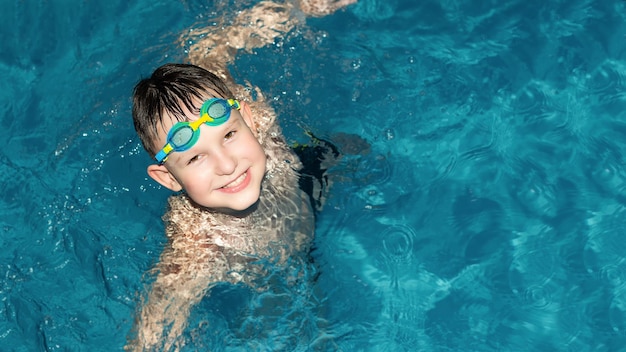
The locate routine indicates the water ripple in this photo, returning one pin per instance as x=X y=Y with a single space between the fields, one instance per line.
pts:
x=609 y=175
x=532 y=97
x=375 y=170
x=615 y=274
x=538 y=296
x=617 y=311
x=398 y=243
x=534 y=271
x=608 y=82
x=604 y=252
x=537 y=197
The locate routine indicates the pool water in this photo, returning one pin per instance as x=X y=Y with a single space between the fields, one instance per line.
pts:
x=487 y=213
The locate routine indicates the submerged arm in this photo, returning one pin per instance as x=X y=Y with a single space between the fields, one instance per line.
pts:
x=318 y=8
x=183 y=279
x=254 y=28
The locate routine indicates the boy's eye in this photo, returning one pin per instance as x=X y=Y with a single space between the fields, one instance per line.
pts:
x=229 y=135
x=193 y=159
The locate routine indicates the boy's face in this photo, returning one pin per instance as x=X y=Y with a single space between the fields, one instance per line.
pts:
x=224 y=168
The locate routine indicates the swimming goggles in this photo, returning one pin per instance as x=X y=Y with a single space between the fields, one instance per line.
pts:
x=183 y=135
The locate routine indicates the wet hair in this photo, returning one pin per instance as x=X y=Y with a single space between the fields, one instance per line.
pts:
x=169 y=88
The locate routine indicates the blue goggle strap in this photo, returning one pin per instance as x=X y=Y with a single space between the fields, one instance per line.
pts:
x=162 y=154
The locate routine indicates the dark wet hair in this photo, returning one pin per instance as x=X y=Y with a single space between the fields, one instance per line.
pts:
x=163 y=93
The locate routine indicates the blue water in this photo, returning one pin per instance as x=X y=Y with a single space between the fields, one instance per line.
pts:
x=486 y=215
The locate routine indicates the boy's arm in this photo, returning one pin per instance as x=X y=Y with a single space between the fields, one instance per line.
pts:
x=256 y=27
x=183 y=279
x=165 y=307
x=215 y=47
x=318 y=8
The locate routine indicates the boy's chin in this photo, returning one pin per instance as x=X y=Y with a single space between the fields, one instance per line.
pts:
x=239 y=211
x=240 y=205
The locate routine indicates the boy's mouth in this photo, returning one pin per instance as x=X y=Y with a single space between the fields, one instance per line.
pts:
x=238 y=184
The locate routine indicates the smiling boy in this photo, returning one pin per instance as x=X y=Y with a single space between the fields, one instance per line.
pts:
x=237 y=199
x=222 y=170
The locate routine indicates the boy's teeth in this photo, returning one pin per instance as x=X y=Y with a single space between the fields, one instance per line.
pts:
x=237 y=182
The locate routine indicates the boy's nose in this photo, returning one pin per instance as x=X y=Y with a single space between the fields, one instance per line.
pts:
x=226 y=163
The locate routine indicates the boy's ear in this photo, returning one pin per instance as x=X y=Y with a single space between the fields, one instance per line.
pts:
x=162 y=175
x=246 y=113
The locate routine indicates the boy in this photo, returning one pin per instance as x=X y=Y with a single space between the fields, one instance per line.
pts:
x=239 y=198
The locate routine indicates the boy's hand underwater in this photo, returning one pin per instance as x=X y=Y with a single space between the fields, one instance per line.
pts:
x=322 y=7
